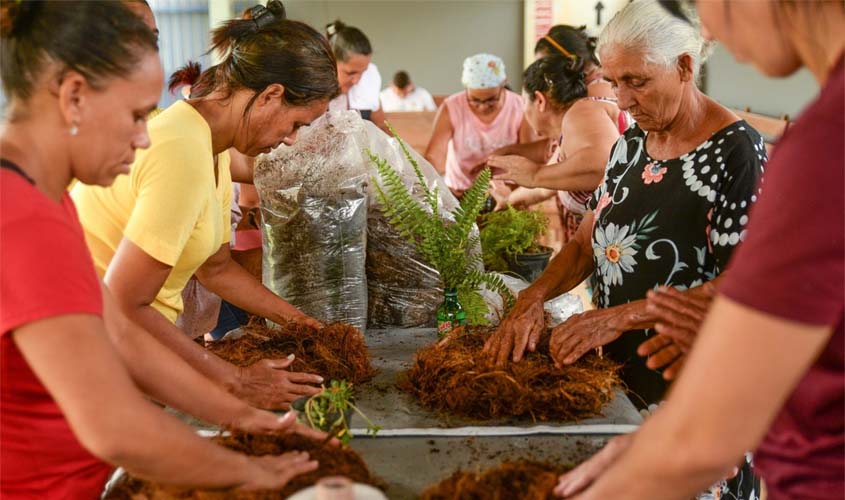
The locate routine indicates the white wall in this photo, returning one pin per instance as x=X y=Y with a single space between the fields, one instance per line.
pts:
x=740 y=85
x=427 y=38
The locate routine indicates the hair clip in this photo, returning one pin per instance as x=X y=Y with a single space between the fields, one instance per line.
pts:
x=331 y=30
x=261 y=16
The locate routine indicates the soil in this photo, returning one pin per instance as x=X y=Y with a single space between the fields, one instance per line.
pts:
x=454 y=377
x=522 y=479
x=333 y=461
x=335 y=352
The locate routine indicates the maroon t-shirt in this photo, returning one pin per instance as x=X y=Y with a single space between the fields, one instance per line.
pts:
x=791 y=266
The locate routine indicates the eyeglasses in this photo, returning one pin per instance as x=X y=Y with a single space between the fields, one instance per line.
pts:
x=480 y=103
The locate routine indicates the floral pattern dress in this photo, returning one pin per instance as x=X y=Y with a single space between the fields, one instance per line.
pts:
x=672 y=223
x=669 y=222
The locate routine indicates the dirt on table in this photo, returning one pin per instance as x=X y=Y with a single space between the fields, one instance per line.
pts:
x=332 y=460
x=526 y=480
x=335 y=352
x=454 y=377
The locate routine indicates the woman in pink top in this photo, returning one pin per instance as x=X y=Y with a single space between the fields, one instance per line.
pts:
x=472 y=124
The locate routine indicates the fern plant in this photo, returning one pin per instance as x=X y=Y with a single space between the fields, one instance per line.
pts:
x=327 y=411
x=447 y=245
x=508 y=233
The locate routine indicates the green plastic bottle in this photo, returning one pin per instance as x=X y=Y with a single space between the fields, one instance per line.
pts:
x=450 y=314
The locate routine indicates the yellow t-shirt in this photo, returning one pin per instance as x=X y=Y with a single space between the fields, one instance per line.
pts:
x=169 y=205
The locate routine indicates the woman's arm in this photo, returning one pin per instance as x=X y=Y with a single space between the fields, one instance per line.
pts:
x=696 y=437
x=521 y=329
x=168 y=379
x=525 y=197
x=73 y=358
x=134 y=279
x=438 y=145
x=589 y=138
x=241 y=167
x=228 y=279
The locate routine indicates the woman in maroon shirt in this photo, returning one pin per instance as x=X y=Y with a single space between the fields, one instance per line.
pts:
x=767 y=370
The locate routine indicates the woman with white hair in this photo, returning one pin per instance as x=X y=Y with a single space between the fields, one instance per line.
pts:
x=472 y=124
x=670 y=211
x=776 y=330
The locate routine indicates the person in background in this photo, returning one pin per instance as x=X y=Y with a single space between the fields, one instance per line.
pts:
x=403 y=95
x=170 y=218
x=776 y=329
x=473 y=123
x=573 y=176
x=81 y=78
x=358 y=77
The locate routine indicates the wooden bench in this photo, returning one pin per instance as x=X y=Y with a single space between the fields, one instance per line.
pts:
x=769 y=127
x=414 y=127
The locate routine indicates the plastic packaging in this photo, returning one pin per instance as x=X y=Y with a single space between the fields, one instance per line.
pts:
x=314 y=219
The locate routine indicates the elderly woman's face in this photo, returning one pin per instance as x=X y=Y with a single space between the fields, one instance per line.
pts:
x=753 y=32
x=652 y=93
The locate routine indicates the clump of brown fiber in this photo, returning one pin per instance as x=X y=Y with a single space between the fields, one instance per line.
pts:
x=454 y=377
x=332 y=460
x=523 y=479
x=335 y=352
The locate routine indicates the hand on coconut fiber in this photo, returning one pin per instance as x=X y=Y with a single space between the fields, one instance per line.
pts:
x=257 y=421
x=268 y=384
x=579 y=478
x=520 y=330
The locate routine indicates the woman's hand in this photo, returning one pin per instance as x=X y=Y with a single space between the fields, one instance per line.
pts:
x=679 y=314
x=264 y=422
x=272 y=472
x=663 y=352
x=583 y=332
x=268 y=384
x=306 y=320
x=579 y=478
x=519 y=331
x=514 y=168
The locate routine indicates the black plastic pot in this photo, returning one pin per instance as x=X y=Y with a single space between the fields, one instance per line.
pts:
x=529 y=266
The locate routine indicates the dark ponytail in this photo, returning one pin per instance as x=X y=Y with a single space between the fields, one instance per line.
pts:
x=265 y=49
x=570 y=42
x=95 y=39
x=347 y=41
x=560 y=78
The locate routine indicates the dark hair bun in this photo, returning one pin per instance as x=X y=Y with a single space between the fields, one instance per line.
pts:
x=278 y=10
x=14 y=15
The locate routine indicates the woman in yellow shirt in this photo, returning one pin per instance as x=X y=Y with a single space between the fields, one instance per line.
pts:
x=169 y=219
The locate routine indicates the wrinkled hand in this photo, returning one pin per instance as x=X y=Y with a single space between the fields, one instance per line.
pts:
x=579 y=478
x=680 y=314
x=272 y=472
x=264 y=422
x=514 y=168
x=268 y=384
x=663 y=352
x=521 y=329
x=581 y=333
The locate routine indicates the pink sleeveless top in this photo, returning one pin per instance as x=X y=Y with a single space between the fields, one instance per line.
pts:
x=576 y=201
x=473 y=141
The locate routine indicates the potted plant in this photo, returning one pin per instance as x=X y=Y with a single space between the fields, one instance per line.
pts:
x=446 y=243
x=331 y=410
x=509 y=242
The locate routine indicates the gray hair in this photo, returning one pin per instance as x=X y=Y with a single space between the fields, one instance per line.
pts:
x=646 y=25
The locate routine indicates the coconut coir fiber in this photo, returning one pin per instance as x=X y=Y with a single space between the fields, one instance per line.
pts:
x=332 y=461
x=454 y=377
x=335 y=352
x=523 y=479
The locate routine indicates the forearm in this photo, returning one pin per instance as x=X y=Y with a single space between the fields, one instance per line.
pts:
x=536 y=151
x=237 y=286
x=165 y=332
x=525 y=197
x=166 y=377
x=568 y=269
x=583 y=171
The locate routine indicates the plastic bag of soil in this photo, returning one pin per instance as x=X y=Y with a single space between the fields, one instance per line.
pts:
x=314 y=219
x=404 y=291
